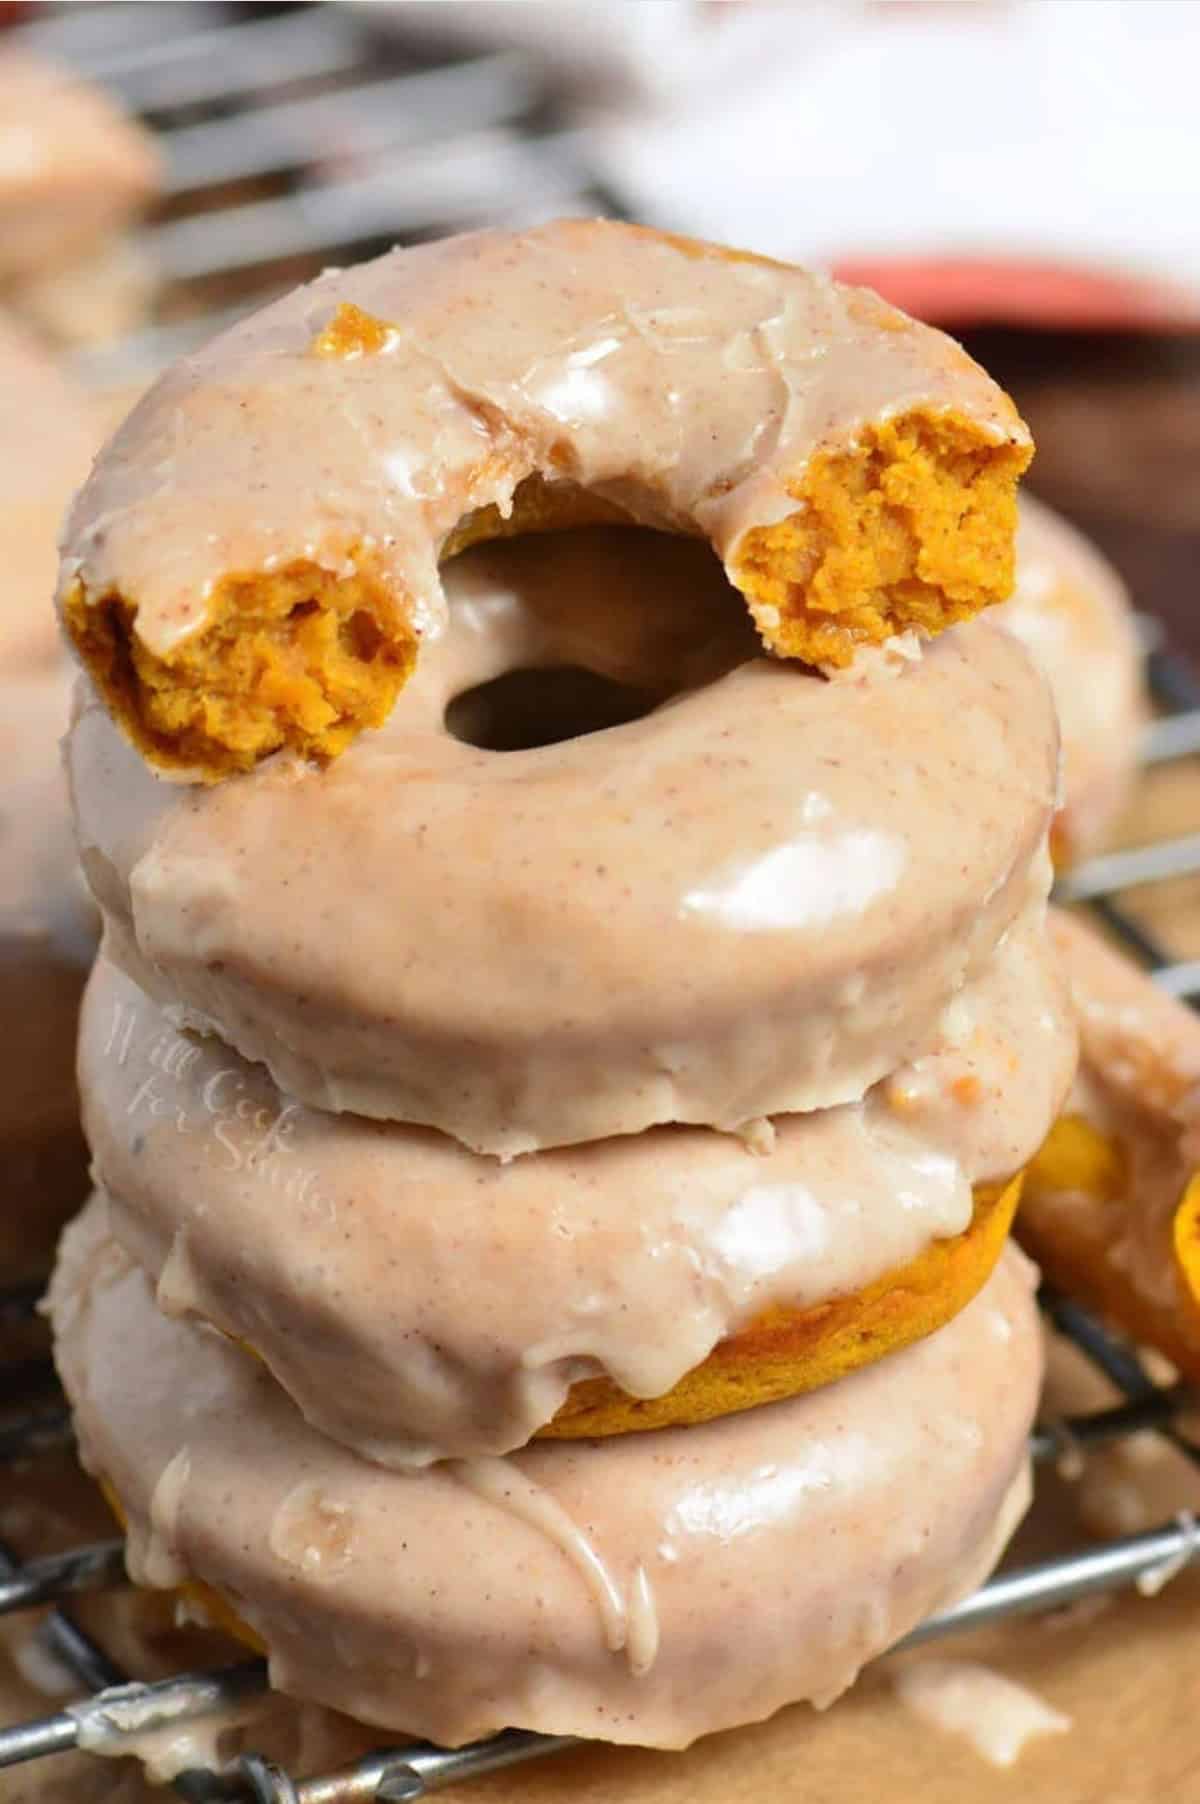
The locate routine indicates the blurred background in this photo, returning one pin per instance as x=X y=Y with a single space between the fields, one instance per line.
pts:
x=1026 y=172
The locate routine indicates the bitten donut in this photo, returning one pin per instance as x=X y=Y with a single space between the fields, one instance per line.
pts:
x=1071 y=609
x=1111 y=1208
x=757 y=898
x=416 y=1300
x=255 y=562
x=586 y=1589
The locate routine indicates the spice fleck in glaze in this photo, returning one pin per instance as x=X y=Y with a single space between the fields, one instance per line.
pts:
x=758 y=898
x=581 y=1589
x=255 y=562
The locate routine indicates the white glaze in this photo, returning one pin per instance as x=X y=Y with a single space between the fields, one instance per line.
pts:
x=1072 y=611
x=688 y=385
x=417 y=1299
x=757 y=899
x=824 y=1527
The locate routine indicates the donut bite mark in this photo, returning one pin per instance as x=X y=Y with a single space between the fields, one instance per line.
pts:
x=854 y=472
x=911 y=529
x=296 y=657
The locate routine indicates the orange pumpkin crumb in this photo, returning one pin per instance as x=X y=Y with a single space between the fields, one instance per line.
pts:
x=352 y=332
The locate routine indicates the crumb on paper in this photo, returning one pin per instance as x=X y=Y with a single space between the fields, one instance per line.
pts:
x=1152 y=1582
x=990 y=1711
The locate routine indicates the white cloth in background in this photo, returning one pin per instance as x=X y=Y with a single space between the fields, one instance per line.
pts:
x=1061 y=132
x=634 y=53
x=1021 y=158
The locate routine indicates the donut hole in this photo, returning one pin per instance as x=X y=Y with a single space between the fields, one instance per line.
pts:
x=576 y=631
x=527 y=708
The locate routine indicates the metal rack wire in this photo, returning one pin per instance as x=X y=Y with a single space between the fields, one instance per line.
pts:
x=302 y=137
x=292 y=138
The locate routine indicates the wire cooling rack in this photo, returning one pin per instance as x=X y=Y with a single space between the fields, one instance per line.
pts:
x=303 y=136
x=294 y=137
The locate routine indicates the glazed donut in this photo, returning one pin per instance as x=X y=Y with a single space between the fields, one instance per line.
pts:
x=47 y=933
x=1110 y=1208
x=573 y=1589
x=47 y=937
x=1071 y=610
x=758 y=898
x=46 y=446
x=81 y=175
x=255 y=561
x=417 y=1301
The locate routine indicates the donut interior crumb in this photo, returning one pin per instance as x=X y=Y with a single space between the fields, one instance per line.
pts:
x=353 y=332
x=1075 y=1155
x=1076 y=1220
x=539 y=504
x=913 y=527
x=299 y=657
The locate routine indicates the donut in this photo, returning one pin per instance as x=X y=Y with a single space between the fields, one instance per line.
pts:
x=47 y=932
x=46 y=445
x=757 y=898
x=254 y=563
x=1072 y=611
x=1111 y=1207
x=81 y=175
x=577 y=1589
x=47 y=936
x=417 y=1300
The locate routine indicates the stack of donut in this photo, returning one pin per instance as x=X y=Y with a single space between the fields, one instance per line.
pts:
x=574 y=1008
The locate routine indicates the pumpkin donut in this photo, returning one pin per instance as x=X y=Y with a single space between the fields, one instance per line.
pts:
x=417 y=1300
x=1111 y=1208
x=46 y=445
x=255 y=561
x=1071 y=610
x=47 y=932
x=78 y=177
x=758 y=897
x=582 y=1588
x=47 y=938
